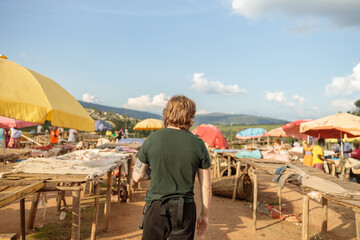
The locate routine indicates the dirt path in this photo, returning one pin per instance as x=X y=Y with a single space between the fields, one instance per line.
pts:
x=228 y=220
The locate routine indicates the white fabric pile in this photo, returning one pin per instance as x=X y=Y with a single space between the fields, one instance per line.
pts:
x=91 y=162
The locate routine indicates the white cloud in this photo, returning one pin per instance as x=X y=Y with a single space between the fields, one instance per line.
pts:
x=202 y=111
x=147 y=103
x=86 y=97
x=24 y=55
x=202 y=85
x=278 y=97
x=345 y=85
x=343 y=105
x=304 y=26
x=338 y=12
x=300 y=99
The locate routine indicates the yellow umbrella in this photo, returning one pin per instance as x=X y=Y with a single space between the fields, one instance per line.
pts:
x=149 y=124
x=29 y=96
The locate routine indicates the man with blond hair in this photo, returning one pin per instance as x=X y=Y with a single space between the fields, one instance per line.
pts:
x=174 y=155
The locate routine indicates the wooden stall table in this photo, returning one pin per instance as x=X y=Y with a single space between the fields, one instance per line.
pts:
x=72 y=181
x=265 y=166
x=12 y=190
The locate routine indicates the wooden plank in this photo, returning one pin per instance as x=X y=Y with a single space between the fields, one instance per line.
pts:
x=305 y=218
x=22 y=218
x=357 y=223
x=33 y=209
x=280 y=205
x=107 y=207
x=76 y=215
x=96 y=212
x=324 y=215
x=21 y=193
x=236 y=181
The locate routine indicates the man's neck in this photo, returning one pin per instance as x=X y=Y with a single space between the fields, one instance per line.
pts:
x=173 y=127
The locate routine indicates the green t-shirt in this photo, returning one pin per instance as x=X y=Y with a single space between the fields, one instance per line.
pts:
x=174 y=157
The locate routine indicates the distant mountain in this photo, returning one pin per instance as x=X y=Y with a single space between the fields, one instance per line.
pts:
x=121 y=111
x=211 y=118
x=230 y=119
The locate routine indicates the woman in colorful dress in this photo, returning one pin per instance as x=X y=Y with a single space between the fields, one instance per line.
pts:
x=14 y=141
x=308 y=156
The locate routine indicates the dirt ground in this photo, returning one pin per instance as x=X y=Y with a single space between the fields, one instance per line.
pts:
x=228 y=220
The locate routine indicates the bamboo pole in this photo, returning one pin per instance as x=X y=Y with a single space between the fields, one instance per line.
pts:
x=33 y=209
x=96 y=212
x=305 y=218
x=324 y=215
x=128 y=180
x=218 y=167
x=255 y=199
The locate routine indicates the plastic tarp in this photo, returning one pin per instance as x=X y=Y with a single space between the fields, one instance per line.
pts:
x=249 y=154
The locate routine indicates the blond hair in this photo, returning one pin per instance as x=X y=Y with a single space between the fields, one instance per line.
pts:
x=179 y=112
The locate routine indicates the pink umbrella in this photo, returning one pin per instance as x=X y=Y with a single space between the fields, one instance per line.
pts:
x=293 y=129
x=9 y=123
x=277 y=132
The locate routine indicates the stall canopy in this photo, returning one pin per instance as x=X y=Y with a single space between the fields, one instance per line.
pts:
x=102 y=125
x=293 y=129
x=211 y=135
x=10 y=123
x=251 y=133
x=30 y=96
x=334 y=126
x=149 y=124
x=276 y=132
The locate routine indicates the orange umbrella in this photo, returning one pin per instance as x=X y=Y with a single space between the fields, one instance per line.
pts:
x=276 y=132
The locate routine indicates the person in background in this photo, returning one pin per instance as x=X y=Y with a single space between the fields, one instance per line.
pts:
x=296 y=143
x=346 y=148
x=39 y=129
x=356 y=152
x=119 y=136
x=318 y=154
x=308 y=155
x=14 y=138
x=126 y=134
x=174 y=155
x=54 y=136
x=72 y=133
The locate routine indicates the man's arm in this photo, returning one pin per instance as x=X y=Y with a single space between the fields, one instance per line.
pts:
x=204 y=176
x=141 y=171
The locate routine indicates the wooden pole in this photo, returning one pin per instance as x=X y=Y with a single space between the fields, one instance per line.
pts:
x=255 y=199
x=128 y=180
x=236 y=180
x=76 y=215
x=22 y=218
x=324 y=215
x=107 y=207
x=280 y=207
x=357 y=221
x=33 y=209
x=229 y=165
x=305 y=218
x=96 y=212
x=118 y=187
x=218 y=167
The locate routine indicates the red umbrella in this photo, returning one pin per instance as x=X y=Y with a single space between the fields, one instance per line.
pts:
x=293 y=129
x=10 y=123
x=211 y=135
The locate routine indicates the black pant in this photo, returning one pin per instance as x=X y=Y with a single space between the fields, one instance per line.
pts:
x=158 y=226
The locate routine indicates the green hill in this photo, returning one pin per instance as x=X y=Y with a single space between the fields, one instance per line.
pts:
x=235 y=119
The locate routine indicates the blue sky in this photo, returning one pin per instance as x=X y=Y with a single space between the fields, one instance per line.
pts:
x=277 y=58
